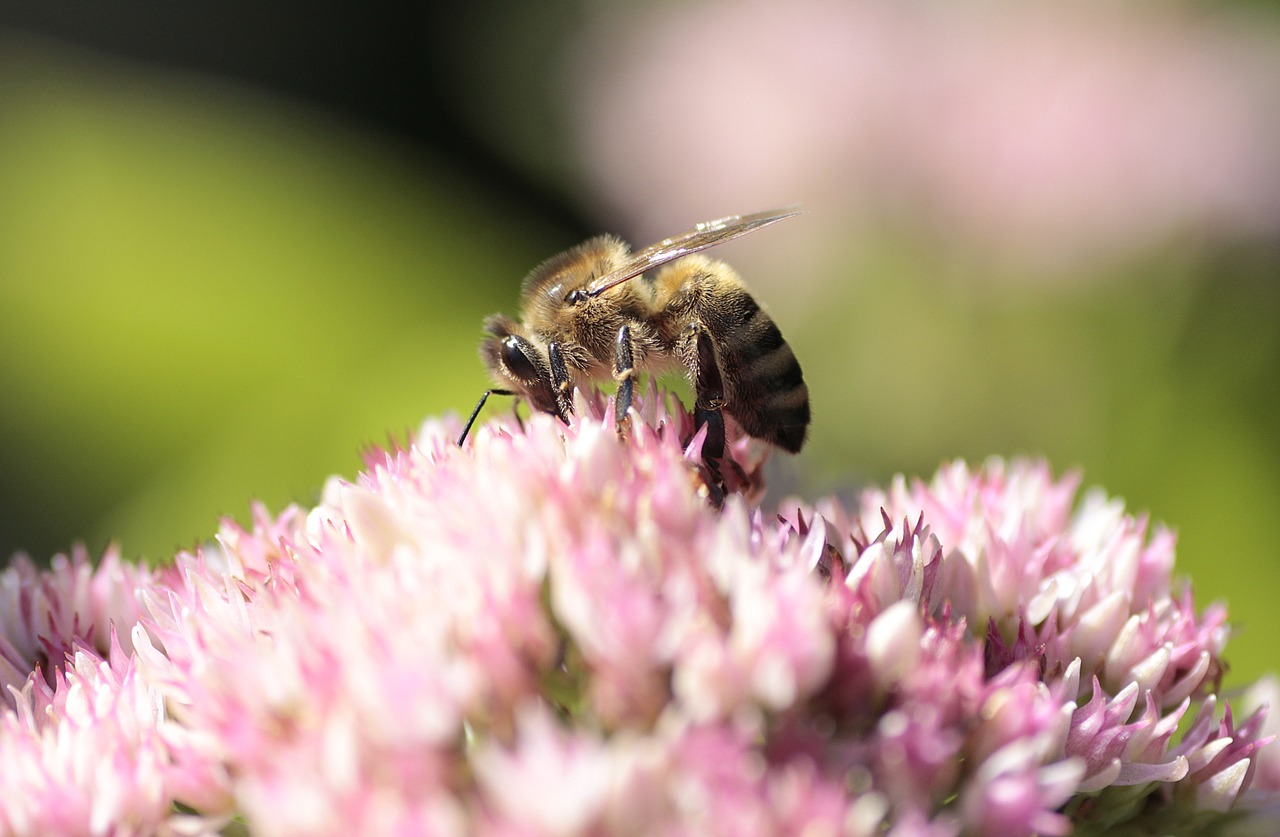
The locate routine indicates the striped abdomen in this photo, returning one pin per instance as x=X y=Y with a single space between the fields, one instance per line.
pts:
x=765 y=389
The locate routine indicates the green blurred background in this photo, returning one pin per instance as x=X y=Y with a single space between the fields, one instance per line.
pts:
x=240 y=241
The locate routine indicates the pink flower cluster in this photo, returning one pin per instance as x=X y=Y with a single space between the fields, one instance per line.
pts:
x=552 y=631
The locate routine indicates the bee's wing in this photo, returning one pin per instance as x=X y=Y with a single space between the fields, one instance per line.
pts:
x=704 y=235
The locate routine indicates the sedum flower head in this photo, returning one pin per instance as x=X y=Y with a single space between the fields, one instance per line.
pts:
x=554 y=631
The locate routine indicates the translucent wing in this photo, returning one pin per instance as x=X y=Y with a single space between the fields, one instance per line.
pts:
x=704 y=235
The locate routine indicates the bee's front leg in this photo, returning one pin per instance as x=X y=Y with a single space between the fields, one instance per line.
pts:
x=561 y=383
x=624 y=372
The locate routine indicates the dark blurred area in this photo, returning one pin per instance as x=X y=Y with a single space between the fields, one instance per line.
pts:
x=388 y=66
x=238 y=241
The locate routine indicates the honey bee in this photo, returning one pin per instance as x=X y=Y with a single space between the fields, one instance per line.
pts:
x=597 y=311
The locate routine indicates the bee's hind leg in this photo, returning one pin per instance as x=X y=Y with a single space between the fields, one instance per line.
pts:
x=624 y=372
x=708 y=387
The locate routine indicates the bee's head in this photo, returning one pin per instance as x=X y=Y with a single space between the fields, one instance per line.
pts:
x=523 y=363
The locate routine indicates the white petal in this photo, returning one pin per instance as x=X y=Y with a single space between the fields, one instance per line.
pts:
x=893 y=642
x=1219 y=792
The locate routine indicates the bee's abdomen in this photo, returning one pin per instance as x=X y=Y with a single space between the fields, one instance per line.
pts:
x=768 y=395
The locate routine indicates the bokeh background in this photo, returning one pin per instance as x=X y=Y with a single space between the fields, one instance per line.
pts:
x=240 y=240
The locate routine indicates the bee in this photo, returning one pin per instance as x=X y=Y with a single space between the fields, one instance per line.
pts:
x=600 y=311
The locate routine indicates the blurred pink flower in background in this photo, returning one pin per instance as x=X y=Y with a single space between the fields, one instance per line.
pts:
x=1044 y=135
x=552 y=631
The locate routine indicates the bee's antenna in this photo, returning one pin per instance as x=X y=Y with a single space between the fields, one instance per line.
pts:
x=476 y=412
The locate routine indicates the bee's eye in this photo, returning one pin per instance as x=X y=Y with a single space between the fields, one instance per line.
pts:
x=575 y=296
x=515 y=359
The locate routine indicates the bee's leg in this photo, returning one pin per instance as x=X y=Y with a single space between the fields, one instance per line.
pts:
x=708 y=388
x=624 y=372
x=476 y=412
x=561 y=383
